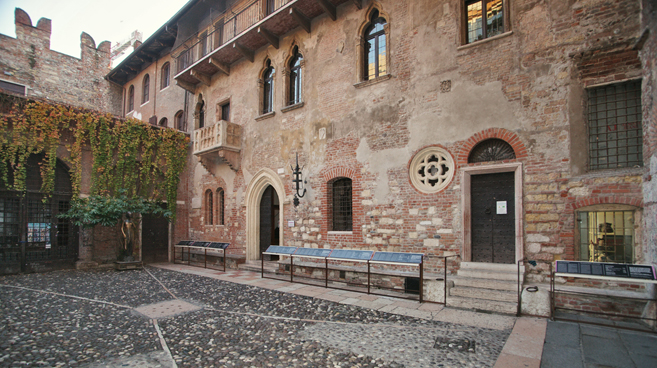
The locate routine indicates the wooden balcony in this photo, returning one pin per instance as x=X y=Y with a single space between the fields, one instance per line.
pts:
x=218 y=143
x=244 y=33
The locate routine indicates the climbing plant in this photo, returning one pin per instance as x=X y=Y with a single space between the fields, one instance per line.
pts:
x=129 y=158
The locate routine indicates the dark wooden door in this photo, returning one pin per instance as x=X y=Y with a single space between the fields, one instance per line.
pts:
x=269 y=231
x=155 y=239
x=493 y=231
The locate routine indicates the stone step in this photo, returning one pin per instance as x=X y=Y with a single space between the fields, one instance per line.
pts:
x=488 y=294
x=485 y=284
x=482 y=305
x=489 y=274
x=499 y=267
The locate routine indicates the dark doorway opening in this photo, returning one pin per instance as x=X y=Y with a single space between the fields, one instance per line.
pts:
x=492 y=198
x=154 y=239
x=269 y=221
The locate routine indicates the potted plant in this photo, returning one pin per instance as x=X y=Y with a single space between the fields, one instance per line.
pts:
x=122 y=213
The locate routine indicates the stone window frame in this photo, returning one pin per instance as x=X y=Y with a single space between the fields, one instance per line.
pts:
x=219 y=110
x=165 y=79
x=131 y=98
x=220 y=206
x=295 y=50
x=208 y=211
x=506 y=13
x=361 y=42
x=146 y=89
x=179 y=121
x=267 y=63
x=331 y=205
x=419 y=159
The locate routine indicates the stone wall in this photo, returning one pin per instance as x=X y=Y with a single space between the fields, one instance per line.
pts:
x=28 y=60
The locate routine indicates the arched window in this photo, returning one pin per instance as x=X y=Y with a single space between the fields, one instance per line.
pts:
x=220 y=206
x=208 y=207
x=131 y=98
x=146 y=89
x=295 y=77
x=491 y=150
x=164 y=83
x=163 y=122
x=340 y=205
x=376 y=62
x=200 y=112
x=268 y=88
x=179 y=121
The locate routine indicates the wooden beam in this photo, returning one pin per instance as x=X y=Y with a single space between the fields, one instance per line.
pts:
x=204 y=78
x=244 y=51
x=219 y=65
x=328 y=8
x=358 y=4
x=301 y=19
x=269 y=37
x=186 y=86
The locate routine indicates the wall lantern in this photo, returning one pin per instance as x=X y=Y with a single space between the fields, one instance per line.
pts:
x=296 y=171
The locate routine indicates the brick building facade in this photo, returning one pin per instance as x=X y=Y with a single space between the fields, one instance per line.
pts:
x=438 y=127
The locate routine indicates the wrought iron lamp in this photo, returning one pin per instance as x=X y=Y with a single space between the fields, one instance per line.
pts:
x=296 y=171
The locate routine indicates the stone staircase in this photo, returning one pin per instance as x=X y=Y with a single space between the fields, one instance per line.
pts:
x=486 y=287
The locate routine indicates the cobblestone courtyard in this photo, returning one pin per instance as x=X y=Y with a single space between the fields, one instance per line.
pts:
x=156 y=317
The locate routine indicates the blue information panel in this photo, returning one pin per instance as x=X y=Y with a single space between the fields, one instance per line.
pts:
x=277 y=249
x=394 y=257
x=632 y=271
x=356 y=255
x=313 y=252
x=185 y=242
x=219 y=245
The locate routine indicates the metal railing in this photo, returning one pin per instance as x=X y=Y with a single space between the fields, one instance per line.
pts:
x=234 y=24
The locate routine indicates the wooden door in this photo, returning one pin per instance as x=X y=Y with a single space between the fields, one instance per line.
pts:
x=493 y=218
x=154 y=239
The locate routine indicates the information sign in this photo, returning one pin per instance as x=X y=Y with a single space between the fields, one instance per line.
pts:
x=277 y=249
x=185 y=242
x=645 y=272
x=394 y=257
x=219 y=245
x=357 y=255
x=313 y=252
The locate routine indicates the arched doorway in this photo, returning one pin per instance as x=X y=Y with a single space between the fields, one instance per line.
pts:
x=258 y=194
x=269 y=219
x=32 y=237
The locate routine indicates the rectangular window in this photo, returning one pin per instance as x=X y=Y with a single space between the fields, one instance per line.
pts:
x=484 y=24
x=341 y=205
x=614 y=126
x=606 y=236
x=225 y=112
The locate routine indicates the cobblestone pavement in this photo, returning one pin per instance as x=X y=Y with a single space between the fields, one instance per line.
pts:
x=100 y=318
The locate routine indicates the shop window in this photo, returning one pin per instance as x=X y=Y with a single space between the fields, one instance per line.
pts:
x=484 y=19
x=340 y=204
x=209 y=212
x=376 y=59
x=295 y=77
x=614 y=126
x=146 y=89
x=164 y=83
x=131 y=98
x=220 y=206
x=606 y=236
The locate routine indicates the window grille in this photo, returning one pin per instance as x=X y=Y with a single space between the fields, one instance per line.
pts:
x=341 y=205
x=615 y=127
x=606 y=236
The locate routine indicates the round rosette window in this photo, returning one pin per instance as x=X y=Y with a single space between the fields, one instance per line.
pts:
x=431 y=170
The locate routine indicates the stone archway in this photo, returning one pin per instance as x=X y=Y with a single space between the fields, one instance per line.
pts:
x=254 y=192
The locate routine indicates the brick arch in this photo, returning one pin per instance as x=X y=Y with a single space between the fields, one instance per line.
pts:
x=636 y=202
x=338 y=172
x=327 y=176
x=499 y=133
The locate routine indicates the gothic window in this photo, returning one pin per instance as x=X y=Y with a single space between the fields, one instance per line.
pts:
x=165 y=76
x=179 y=120
x=220 y=206
x=376 y=62
x=163 y=122
x=484 y=18
x=614 y=126
x=146 y=89
x=431 y=170
x=131 y=98
x=340 y=204
x=491 y=150
x=295 y=77
x=268 y=89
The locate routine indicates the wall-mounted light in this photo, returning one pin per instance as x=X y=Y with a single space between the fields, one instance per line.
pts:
x=296 y=171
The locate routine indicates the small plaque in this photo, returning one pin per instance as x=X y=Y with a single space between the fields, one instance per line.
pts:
x=501 y=207
x=641 y=272
x=617 y=270
x=290 y=223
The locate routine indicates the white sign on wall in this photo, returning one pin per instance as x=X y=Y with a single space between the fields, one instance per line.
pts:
x=501 y=207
